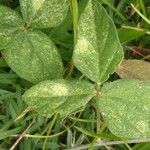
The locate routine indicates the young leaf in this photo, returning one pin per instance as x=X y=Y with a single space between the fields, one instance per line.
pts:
x=136 y=69
x=34 y=57
x=125 y=104
x=10 y=22
x=60 y=96
x=98 y=50
x=44 y=13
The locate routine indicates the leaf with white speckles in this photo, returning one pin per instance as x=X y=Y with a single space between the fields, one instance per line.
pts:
x=10 y=22
x=62 y=96
x=98 y=50
x=125 y=105
x=44 y=13
x=34 y=57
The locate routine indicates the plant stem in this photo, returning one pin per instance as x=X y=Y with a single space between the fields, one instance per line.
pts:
x=97 y=108
x=98 y=118
x=49 y=131
x=74 y=10
x=140 y=14
x=104 y=143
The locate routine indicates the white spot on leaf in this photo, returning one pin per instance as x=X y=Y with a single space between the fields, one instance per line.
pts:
x=59 y=89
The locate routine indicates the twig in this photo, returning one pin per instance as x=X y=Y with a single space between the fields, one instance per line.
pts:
x=140 y=14
x=23 y=113
x=140 y=51
x=104 y=143
x=21 y=136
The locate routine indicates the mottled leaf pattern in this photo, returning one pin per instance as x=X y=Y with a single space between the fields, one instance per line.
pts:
x=125 y=104
x=44 y=13
x=98 y=50
x=34 y=57
x=134 y=69
x=10 y=22
x=62 y=96
x=31 y=54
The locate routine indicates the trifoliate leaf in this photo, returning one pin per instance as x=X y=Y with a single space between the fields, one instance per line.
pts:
x=125 y=105
x=61 y=96
x=98 y=50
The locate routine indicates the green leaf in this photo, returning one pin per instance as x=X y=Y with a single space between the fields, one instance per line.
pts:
x=10 y=22
x=6 y=78
x=8 y=133
x=98 y=50
x=44 y=13
x=127 y=33
x=125 y=105
x=62 y=96
x=34 y=57
x=86 y=132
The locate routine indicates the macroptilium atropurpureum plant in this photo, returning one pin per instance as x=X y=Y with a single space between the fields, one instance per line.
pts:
x=124 y=104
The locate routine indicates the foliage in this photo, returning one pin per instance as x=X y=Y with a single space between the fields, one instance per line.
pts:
x=61 y=61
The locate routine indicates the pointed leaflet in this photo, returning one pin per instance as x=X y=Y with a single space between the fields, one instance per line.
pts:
x=125 y=105
x=34 y=57
x=44 y=13
x=62 y=96
x=10 y=22
x=98 y=50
